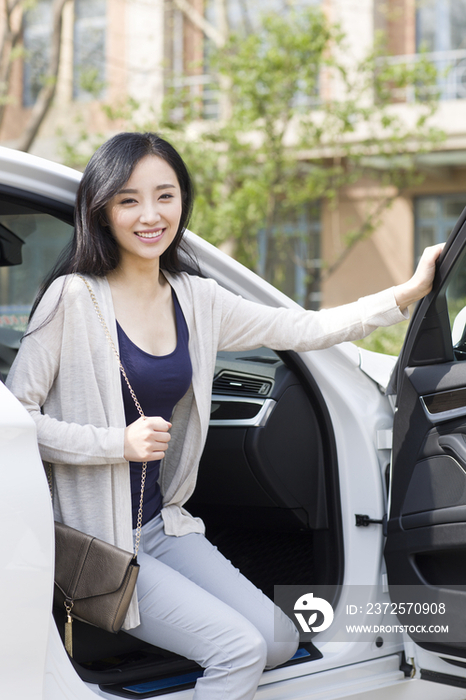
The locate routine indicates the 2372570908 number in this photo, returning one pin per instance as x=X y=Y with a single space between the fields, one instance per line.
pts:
x=403 y=609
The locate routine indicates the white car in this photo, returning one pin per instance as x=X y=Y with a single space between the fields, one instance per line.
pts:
x=298 y=486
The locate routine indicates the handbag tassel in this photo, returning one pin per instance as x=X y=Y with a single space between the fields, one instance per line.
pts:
x=69 y=630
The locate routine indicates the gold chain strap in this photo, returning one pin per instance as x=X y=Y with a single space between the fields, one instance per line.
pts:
x=138 y=406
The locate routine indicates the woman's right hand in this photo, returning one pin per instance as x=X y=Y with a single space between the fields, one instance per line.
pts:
x=146 y=440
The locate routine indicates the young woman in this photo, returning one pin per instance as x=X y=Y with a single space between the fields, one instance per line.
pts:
x=133 y=205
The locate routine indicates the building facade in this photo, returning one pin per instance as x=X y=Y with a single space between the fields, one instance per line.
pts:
x=112 y=49
x=424 y=214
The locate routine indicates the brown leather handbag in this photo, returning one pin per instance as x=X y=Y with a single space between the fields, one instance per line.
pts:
x=95 y=580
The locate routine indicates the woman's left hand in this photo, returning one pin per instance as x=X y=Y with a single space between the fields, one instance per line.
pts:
x=420 y=283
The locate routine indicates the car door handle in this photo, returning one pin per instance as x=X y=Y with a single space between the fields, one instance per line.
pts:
x=455 y=444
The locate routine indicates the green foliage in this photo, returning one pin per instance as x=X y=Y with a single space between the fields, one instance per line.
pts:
x=123 y=110
x=17 y=52
x=386 y=340
x=297 y=123
x=90 y=82
x=76 y=152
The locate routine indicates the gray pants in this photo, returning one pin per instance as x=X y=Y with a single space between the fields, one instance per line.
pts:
x=194 y=602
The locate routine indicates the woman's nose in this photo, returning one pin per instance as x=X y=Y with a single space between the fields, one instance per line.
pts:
x=150 y=214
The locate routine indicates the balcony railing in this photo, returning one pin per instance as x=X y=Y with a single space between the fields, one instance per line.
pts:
x=451 y=73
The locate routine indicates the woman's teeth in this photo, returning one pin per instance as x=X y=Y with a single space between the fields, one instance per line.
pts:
x=152 y=234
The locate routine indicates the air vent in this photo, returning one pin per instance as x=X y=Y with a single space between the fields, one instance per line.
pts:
x=240 y=385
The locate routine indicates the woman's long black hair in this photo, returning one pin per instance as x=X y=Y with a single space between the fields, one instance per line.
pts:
x=93 y=249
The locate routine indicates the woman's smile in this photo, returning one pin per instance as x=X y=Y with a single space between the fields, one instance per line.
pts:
x=150 y=235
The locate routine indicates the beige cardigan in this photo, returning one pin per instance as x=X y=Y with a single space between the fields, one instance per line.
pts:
x=67 y=377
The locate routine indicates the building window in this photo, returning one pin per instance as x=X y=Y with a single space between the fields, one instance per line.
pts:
x=441 y=25
x=441 y=30
x=435 y=217
x=245 y=17
x=37 y=32
x=289 y=258
x=89 y=48
x=89 y=39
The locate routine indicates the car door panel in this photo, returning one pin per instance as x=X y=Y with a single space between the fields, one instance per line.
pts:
x=426 y=529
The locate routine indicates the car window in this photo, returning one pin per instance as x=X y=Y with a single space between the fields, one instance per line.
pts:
x=456 y=301
x=30 y=242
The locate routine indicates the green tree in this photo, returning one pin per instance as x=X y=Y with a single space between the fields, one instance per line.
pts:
x=301 y=122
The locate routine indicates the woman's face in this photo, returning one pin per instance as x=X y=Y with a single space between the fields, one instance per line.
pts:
x=145 y=214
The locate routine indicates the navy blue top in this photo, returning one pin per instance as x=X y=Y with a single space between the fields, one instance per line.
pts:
x=159 y=382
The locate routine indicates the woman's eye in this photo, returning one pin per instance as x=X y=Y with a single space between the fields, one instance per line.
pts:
x=127 y=201
x=166 y=196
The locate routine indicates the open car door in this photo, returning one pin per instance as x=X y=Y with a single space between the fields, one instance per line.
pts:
x=425 y=549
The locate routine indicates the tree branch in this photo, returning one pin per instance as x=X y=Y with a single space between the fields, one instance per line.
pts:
x=10 y=38
x=11 y=6
x=200 y=22
x=221 y=14
x=47 y=93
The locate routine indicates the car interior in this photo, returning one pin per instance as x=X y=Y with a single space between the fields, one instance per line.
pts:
x=268 y=481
